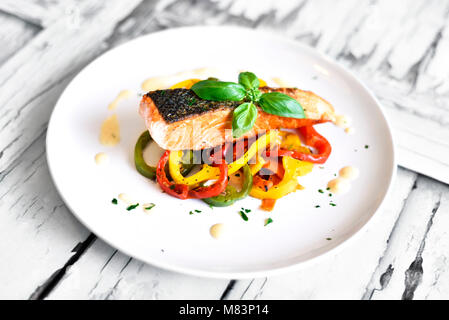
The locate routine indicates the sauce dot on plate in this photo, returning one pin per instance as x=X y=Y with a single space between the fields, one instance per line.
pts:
x=350 y=130
x=101 y=158
x=125 y=198
x=124 y=94
x=110 y=131
x=349 y=172
x=343 y=121
x=339 y=185
x=216 y=231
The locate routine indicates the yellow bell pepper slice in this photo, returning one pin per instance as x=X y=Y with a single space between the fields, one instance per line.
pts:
x=293 y=169
x=186 y=84
x=260 y=161
x=262 y=83
x=208 y=172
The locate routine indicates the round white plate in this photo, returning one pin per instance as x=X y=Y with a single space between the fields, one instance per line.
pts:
x=168 y=236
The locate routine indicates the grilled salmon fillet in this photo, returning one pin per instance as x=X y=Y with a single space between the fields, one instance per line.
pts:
x=178 y=119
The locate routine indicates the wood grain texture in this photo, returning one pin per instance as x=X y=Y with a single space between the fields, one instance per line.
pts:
x=398 y=48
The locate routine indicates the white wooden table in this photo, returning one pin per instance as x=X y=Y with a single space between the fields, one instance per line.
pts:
x=400 y=48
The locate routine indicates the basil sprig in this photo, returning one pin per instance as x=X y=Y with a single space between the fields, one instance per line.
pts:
x=247 y=90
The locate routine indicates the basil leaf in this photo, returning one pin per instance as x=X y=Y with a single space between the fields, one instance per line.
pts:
x=219 y=91
x=244 y=118
x=249 y=80
x=281 y=105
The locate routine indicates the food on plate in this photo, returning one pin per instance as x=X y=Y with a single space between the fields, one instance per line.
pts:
x=245 y=139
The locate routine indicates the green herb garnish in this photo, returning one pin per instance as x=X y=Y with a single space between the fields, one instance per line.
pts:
x=114 y=201
x=268 y=221
x=243 y=215
x=149 y=206
x=332 y=204
x=132 y=207
x=247 y=91
x=320 y=191
x=317 y=206
x=328 y=239
x=330 y=194
x=198 y=211
x=366 y=146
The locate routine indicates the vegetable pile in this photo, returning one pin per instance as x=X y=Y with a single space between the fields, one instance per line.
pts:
x=267 y=169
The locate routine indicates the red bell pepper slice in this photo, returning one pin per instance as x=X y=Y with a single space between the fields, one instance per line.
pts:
x=214 y=189
x=312 y=139
x=177 y=190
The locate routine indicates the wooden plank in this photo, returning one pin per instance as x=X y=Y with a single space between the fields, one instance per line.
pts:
x=435 y=277
x=407 y=244
x=104 y=273
x=14 y=34
x=343 y=274
x=38 y=233
x=41 y=13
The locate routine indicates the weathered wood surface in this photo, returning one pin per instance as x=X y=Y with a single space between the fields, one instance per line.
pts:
x=399 y=48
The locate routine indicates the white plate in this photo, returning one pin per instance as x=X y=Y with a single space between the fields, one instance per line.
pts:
x=169 y=237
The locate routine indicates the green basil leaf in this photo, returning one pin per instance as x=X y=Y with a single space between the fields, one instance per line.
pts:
x=249 y=80
x=219 y=91
x=281 y=105
x=243 y=119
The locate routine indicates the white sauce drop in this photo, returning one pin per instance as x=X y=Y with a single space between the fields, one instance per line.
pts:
x=124 y=94
x=216 y=231
x=156 y=83
x=339 y=185
x=125 y=198
x=110 y=131
x=350 y=173
x=343 y=121
x=350 y=130
x=101 y=158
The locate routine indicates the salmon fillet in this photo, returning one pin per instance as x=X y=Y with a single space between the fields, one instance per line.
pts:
x=178 y=119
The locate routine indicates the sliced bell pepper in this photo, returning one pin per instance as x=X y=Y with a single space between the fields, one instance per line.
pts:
x=211 y=173
x=293 y=169
x=231 y=194
x=142 y=167
x=313 y=139
x=186 y=84
x=255 y=168
x=214 y=189
x=148 y=171
x=177 y=190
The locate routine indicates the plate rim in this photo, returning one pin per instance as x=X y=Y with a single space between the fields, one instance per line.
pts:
x=243 y=274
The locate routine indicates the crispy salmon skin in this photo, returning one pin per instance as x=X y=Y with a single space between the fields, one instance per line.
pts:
x=178 y=119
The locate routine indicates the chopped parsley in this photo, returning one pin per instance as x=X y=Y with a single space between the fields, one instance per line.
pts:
x=246 y=210
x=268 y=221
x=132 y=207
x=243 y=215
x=328 y=188
x=332 y=204
x=198 y=211
x=193 y=211
x=330 y=194
x=320 y=191
x=328 y=239
x=114 y=201
x=149 y=206
x=366 y=146
x=317 y=206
